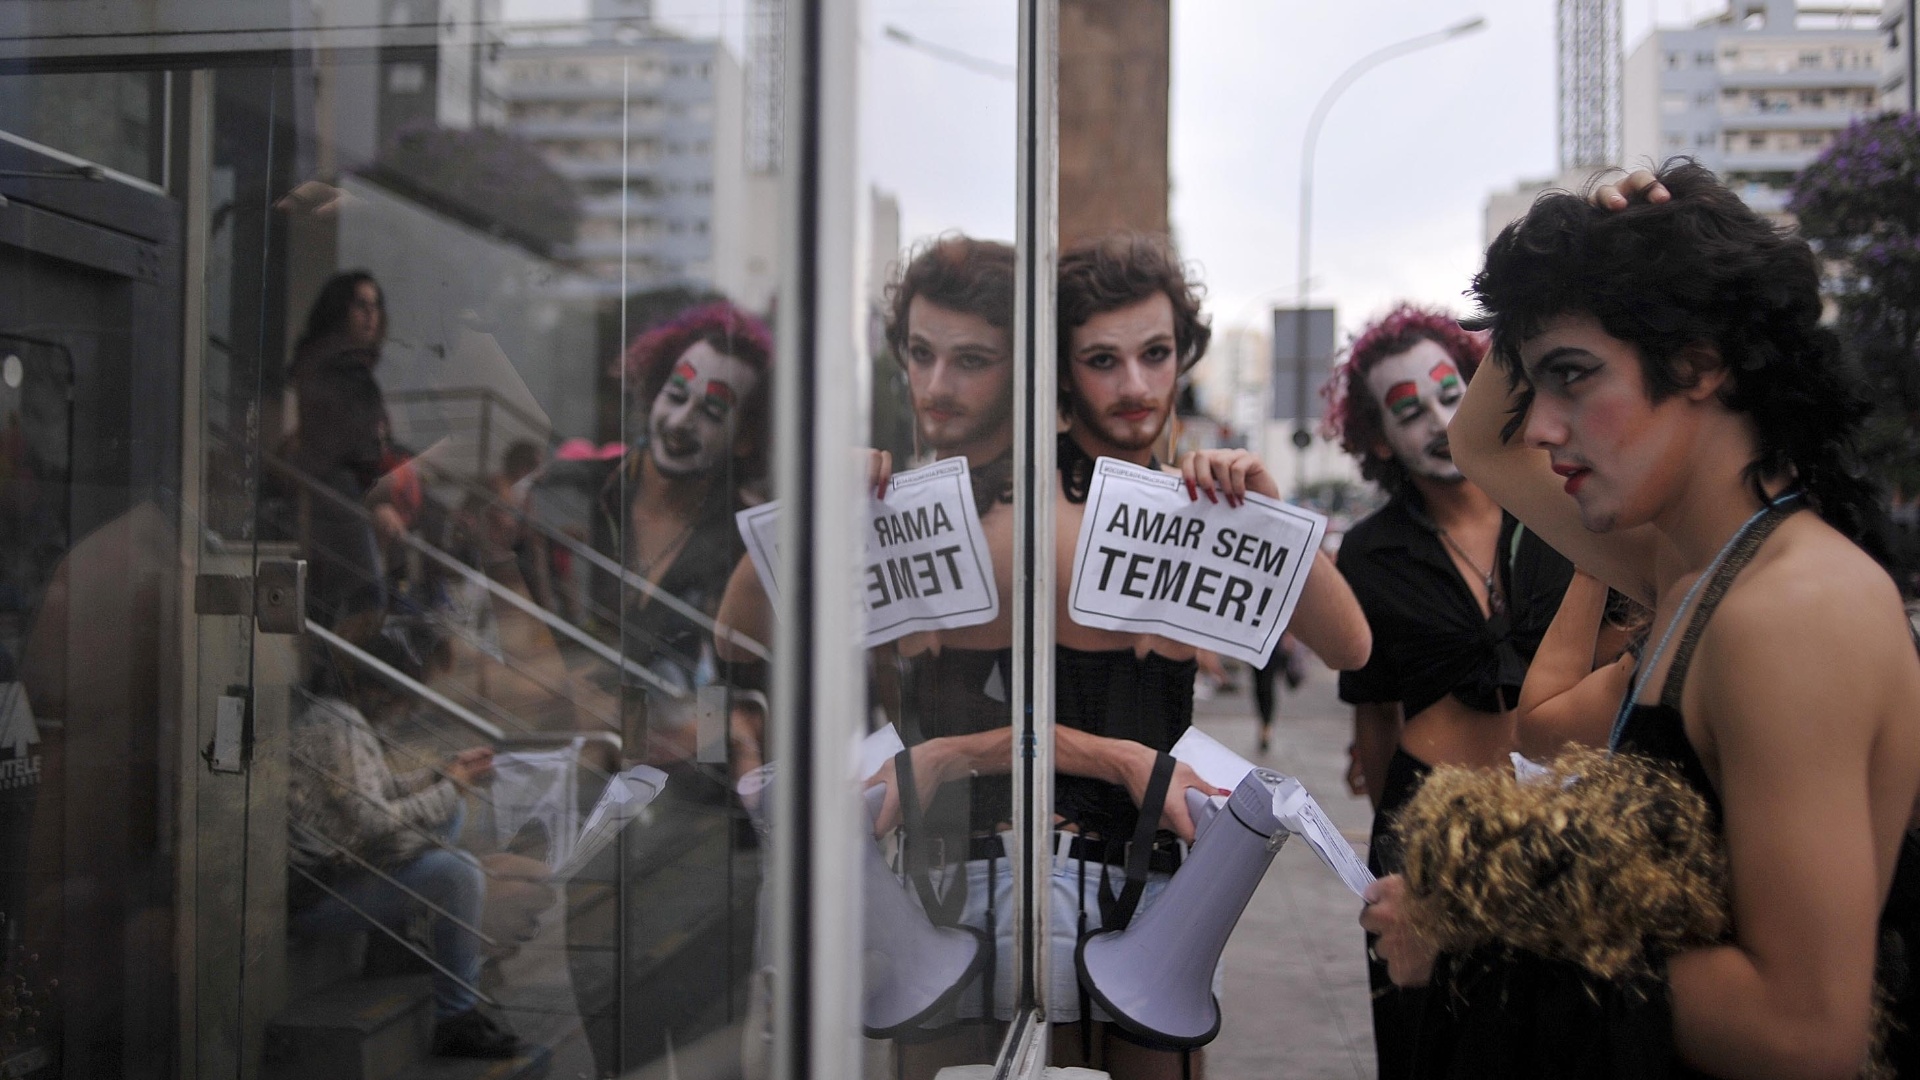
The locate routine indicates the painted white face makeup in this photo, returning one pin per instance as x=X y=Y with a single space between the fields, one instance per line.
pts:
x=692 y=424
x=1418 y=392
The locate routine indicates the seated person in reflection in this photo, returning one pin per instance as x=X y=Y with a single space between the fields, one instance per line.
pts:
x=666 y=514
x=1457 y=593
x=366 y=843
x=1130 y=325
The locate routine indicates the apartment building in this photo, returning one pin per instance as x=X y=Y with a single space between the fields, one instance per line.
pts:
x=1899 y=81
x=649 y=127
x=1755 y=92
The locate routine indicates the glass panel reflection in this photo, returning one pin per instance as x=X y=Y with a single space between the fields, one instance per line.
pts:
x=530 y=392
x=941 y=153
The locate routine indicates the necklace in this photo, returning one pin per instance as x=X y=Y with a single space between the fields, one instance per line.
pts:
x=1496 y=603
x=644 y=563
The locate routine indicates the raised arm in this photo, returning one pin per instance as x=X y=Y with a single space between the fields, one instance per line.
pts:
x=1328 y=618
x=1522 y=481
x=1566 y=699
x=744 y=609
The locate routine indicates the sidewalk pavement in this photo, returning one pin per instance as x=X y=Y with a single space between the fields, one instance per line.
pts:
x=1296 y=1000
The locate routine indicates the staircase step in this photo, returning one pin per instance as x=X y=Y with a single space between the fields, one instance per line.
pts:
x=531 y=1065
x=369 y=1029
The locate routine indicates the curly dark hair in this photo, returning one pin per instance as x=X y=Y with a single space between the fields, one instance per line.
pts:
x=1120 y=269
x=731 y=332
x=1701 y=268
x=957 y=272
x=331 y=308
x=1353 y=416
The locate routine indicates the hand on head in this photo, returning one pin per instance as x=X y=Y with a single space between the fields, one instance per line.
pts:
x=1640 y=185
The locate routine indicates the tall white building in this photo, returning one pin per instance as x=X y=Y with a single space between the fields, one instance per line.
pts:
x=1755 y=92
x=650 y=128
x=1899 y=81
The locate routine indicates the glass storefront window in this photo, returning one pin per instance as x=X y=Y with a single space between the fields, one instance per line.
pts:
x=389 y=395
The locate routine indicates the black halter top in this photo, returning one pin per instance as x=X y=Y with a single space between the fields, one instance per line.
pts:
x=1658 y=731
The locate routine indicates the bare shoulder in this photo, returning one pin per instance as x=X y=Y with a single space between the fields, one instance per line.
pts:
x=1813 y=627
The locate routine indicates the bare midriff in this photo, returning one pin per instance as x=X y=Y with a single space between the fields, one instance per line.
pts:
x=1448 y=732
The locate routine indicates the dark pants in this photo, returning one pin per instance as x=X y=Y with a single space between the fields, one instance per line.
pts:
x=1395 y=1011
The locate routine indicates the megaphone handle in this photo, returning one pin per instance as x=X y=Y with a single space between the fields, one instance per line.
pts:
x=1140 y=851
x=1199 y=809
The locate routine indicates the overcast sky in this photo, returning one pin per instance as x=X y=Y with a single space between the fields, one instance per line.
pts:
x=1404 y=165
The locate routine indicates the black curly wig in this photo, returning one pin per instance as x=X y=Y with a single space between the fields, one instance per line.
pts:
x=1701 y=268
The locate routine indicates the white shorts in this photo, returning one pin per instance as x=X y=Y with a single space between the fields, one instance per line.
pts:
x=1069 y=900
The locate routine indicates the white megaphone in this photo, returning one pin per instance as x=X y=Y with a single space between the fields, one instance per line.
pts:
x=1155 y=977
x=913 y=968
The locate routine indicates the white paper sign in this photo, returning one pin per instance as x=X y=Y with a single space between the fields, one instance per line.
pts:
x=538 y=786
x=927 y=565
x=1298 y=811
x=1209 y=757
x=1152 y=560
x=628 y=792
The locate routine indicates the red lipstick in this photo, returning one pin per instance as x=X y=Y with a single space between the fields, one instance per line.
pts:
x=1576 y=476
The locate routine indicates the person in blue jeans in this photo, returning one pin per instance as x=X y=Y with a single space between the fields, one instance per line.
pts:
x=369 y=844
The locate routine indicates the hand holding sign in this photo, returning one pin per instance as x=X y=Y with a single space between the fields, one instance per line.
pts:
x=1151 y=559
x=927 y=566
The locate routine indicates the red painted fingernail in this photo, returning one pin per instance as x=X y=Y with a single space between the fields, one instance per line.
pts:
x=1210 y=496
x=1191 y=494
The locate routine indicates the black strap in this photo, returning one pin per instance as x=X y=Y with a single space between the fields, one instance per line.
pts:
x=990 y=977
x=944 y=911
x=1710 y=598
x=1086 y=999
x=748 y=675
x=1151 y=807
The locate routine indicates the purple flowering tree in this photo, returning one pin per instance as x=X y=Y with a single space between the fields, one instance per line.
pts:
x=488 y=178
x=1859 y=205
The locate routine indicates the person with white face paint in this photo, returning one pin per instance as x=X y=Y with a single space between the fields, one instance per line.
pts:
x=667 y=513
x=1457 y=595
x=697 y=425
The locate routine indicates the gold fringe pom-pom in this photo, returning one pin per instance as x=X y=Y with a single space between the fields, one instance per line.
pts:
x=1610 y=862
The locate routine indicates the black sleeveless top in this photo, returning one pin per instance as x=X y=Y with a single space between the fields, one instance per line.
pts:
x=1507 y=1014
x=1115 y=694
x=1659 y=731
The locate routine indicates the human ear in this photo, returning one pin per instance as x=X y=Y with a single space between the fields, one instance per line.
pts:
x=1701 y=369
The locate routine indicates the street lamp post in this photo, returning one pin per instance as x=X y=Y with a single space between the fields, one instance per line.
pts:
x=1301 y=437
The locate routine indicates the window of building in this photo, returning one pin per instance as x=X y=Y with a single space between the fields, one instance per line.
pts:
x=406 y=78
